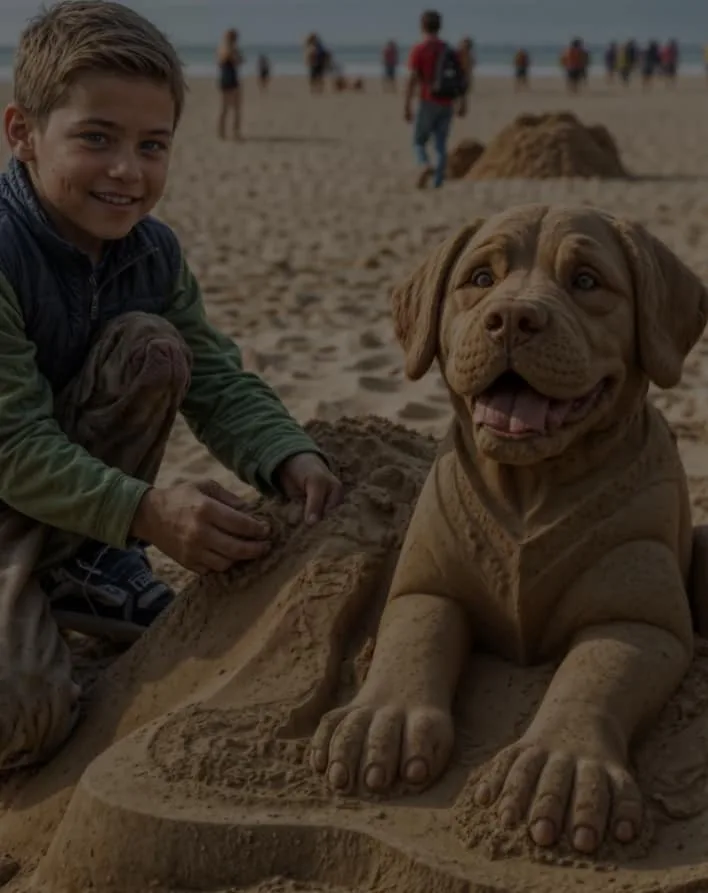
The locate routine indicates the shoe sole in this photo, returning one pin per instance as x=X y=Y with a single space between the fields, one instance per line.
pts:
x=119 y=631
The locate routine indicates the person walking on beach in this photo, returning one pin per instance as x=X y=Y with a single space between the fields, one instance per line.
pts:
x=230 y=59
x=522 y=63
x=104 y=338
x=574 y=61
x=465 y=51
x=264 y=72
x=389 y=59
x=317 y=60
x=651 y=63
x=611 y=62
x=669 y=61
x=626 y=60
x=437 y=79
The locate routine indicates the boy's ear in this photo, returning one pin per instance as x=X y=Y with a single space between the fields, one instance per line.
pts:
x=19 y=132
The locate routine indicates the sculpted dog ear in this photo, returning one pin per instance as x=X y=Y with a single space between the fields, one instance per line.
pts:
x=671 y=304
x=417 y=302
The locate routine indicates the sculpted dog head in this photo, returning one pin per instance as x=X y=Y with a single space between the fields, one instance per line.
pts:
x=548 y=323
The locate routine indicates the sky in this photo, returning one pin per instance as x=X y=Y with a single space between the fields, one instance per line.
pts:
x=366 y=21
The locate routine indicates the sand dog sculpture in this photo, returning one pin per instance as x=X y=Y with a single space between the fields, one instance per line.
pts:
x=554 y=523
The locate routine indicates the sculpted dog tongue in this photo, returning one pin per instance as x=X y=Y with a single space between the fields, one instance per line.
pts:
x=513 y=409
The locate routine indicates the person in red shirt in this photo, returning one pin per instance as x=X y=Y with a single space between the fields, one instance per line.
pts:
x=434 y=114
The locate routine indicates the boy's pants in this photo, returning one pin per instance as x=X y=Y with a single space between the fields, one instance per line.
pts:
x=432 y=120
x=120 y=408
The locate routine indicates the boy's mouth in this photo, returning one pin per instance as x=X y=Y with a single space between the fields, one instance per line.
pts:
x=115 y=198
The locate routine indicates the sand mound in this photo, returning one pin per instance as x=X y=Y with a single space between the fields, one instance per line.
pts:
x=537 y=147
x=462 y=157
x=190 y=770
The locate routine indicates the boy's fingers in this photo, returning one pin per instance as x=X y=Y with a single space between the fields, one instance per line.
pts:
x=215 y=491
x=335 y=496
x=236 y=523
x=316 y=492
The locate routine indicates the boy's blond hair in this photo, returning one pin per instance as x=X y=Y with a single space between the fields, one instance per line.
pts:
x=77 y=37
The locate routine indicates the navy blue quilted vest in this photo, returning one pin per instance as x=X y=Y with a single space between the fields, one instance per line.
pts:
x=64 y=299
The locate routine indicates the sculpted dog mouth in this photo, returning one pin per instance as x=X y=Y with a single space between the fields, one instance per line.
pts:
x=511 y=407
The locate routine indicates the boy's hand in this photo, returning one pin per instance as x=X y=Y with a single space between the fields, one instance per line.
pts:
x=306 y=476
x=202 y=526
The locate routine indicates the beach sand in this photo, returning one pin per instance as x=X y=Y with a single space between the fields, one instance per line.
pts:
x=297 y=234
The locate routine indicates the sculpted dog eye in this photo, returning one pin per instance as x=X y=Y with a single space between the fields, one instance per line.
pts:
x=483 y=278
x=585 y=281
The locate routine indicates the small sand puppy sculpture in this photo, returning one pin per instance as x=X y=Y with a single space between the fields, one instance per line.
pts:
x=554 y=523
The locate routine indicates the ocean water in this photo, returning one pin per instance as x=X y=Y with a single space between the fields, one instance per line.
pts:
x=364 y=59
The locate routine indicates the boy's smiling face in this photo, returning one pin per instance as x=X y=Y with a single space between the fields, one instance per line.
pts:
x=99 y=161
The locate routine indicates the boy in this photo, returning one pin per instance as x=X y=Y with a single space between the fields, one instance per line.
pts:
x=103 y=337
x=434 y=115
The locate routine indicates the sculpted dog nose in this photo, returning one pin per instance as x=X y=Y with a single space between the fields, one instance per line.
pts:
x=514 y=322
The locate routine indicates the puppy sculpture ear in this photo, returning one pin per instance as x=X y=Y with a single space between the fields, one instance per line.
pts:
x=417 y=302
x=671 y=304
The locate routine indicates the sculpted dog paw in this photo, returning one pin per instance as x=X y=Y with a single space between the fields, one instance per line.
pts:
x=372 y=746
x=552 y=788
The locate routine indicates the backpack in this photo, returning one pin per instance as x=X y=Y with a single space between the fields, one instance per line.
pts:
x=450 y=81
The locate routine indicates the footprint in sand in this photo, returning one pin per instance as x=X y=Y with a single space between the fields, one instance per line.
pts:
x=379 y=385
x=419 y=412
x=371 y=364
x=328 y=352
x=293 y=342
x=370 y=340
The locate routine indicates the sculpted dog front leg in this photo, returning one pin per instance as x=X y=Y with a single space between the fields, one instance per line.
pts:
x=570 y=769
x=400 y=723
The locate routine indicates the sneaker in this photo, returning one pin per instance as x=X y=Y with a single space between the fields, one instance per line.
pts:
x=106 y=592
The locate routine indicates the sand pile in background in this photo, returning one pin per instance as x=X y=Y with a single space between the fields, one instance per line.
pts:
x=554 y=145
x=462 y=157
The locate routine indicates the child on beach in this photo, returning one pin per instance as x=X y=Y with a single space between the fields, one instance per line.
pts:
x=437 y=76
x=103 y=338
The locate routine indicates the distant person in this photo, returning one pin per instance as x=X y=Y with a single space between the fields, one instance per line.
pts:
x=611 y=62
x=389 y=59
x=263 y=72
x=468 y=61
x=651 y=63
x=522 y=63
x=705 y=58
x=230 y=59
x=669 y=55
x=626 y=61
x=574 y=62
x=586 y=60
x=439 y=82
x=316 y=59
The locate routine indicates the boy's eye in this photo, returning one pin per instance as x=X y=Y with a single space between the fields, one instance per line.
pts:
x=97 y=139
x=153 y=146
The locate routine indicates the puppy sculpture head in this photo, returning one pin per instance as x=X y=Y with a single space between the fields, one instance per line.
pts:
x=548 y=323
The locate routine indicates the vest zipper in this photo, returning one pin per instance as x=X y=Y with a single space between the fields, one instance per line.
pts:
x=93 y=313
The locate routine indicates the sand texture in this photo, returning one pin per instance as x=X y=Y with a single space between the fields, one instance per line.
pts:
x=190 y=769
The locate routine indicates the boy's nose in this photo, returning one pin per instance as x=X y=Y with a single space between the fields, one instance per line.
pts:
x=127 y=167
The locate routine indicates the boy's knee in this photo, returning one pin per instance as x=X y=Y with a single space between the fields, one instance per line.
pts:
x=149 y=354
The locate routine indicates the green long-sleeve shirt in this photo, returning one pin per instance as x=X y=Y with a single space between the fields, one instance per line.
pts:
x=47 y=477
